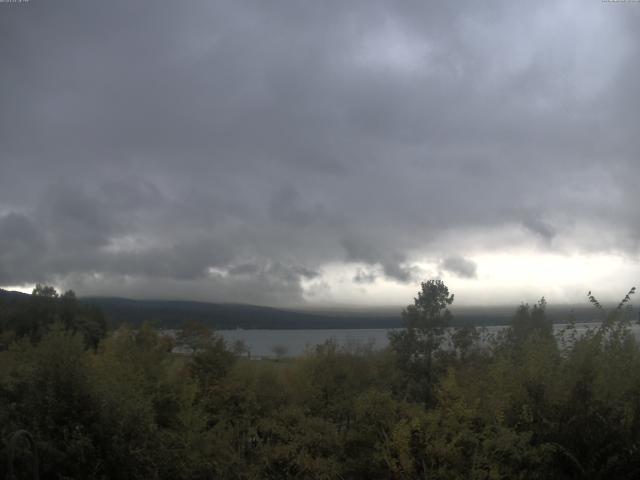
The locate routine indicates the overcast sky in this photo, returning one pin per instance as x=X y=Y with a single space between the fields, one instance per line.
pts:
x=320 y=152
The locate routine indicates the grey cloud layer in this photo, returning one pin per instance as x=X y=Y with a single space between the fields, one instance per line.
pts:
x=459 y=266
x=145 y=146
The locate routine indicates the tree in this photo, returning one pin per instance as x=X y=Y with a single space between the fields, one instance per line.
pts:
x=425 y=322
x=211 y=362
x=46 y=291
x=34 y=316
x=530 y=321
x=463 y=340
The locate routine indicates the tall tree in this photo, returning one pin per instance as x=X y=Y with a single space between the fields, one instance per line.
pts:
x=415 y=346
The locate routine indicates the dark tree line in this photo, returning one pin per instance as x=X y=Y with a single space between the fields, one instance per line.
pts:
x=32 y=316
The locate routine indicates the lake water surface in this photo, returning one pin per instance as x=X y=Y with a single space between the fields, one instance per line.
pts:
x=261 y=343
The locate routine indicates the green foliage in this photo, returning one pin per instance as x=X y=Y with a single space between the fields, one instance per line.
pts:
x=530 y=321
x=44 y=291
x=416 y=345
x=464 y=340
x=33 y=316
x=46 y=390
x=437 y=404
x=212 y=362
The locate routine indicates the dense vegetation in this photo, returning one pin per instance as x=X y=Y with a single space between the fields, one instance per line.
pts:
x=437 y=403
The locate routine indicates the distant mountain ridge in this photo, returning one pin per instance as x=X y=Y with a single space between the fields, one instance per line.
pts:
x=13 y=294
x=223 y=316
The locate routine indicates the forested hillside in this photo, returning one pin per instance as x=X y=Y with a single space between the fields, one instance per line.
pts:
x=172 y=314
x=221 y=316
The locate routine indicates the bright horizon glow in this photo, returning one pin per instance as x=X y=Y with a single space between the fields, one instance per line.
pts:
x=26 y=288
x=505 y=278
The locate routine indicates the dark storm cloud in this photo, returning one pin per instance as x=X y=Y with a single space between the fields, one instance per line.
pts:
x=287 y=206
x=393 y=264
x=145 y=146
x=539 y=227
x=459 y=266
x=21 y=245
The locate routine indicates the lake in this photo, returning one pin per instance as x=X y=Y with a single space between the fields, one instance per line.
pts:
x=261 y=343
